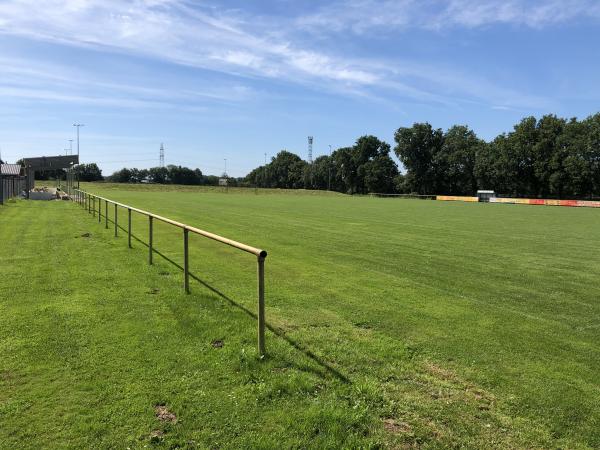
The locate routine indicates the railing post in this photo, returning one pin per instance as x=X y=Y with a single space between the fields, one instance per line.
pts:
x=186 y=262
x=150 y=240
x=94 y=207
x=129 y=228
x=106 y=214
x=99 y=210
x=116 y=220
x=261 y=305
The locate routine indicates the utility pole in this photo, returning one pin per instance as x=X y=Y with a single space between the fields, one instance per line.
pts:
x=310 y=162
x=265 y=172
x=71 y=146
x=329 y=176
x=78 y=162
x=225 y=173
x=78 y=125
x=162 y=155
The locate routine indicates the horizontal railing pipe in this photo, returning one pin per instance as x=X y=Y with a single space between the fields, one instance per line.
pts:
x=215 y=237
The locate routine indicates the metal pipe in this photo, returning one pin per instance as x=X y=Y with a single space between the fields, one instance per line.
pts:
x=129 y=229
x=186 y=262
x=150 y=240
x=261 y=305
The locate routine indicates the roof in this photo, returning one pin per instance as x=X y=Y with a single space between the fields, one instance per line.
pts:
x=485 y=192
x=11 y=169
x=51 y=162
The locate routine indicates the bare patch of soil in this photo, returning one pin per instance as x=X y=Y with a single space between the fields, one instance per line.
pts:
x=393 y=426
x=157 y=436
x=217 y=343
x=164 y=414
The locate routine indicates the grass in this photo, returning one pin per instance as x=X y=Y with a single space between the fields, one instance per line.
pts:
x=396 y=323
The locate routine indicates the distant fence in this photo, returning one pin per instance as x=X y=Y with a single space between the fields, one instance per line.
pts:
x=454 y=198
x=525 y=201
x=11 y=187
x=93 y=204
x=416 y=196
x=547 y=202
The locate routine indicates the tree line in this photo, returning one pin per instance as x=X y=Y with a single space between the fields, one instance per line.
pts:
x=551 y=157
x=170 y=174
x=364 y=167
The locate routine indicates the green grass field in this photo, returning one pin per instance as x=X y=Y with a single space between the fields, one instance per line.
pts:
x=394 y=323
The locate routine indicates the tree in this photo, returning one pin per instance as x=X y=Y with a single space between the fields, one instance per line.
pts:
x=158 y=175
x=455 y=161
x=344 y=170
x=379 y=174
x=121 y=176
x=184 y=175
x=286 y=170
x=89 y=172
x=417 y=148
x=321 y=171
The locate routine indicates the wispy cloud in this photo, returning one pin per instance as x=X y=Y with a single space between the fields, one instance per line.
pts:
x=36 y=80
x=363 y=16
x=208 y=37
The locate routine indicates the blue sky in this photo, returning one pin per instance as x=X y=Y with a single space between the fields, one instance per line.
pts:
x=237 y=79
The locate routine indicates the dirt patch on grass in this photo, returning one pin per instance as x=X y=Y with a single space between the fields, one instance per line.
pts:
x=157 y=436
x=164 y=414
x=154 y=291
x=396 y=427
x=217 y=343
x=84 y=235
x=440 y=372
x=6 y=375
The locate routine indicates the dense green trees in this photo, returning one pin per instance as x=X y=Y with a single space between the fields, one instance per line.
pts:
x=89 y=172
x=171 y=174
x=364 y=167
x=549 y=157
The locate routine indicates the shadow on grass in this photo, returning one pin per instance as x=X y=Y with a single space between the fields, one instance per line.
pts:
x=332 y=371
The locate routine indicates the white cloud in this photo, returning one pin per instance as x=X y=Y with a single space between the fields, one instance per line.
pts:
x=363 y=16
x=209 y=38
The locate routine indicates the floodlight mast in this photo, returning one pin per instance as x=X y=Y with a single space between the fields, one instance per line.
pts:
x=265 y=172
x=79 y=162
x=329 y=176
x=78 y=125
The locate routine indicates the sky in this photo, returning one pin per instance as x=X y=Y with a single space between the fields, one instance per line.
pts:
x=236 y=79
